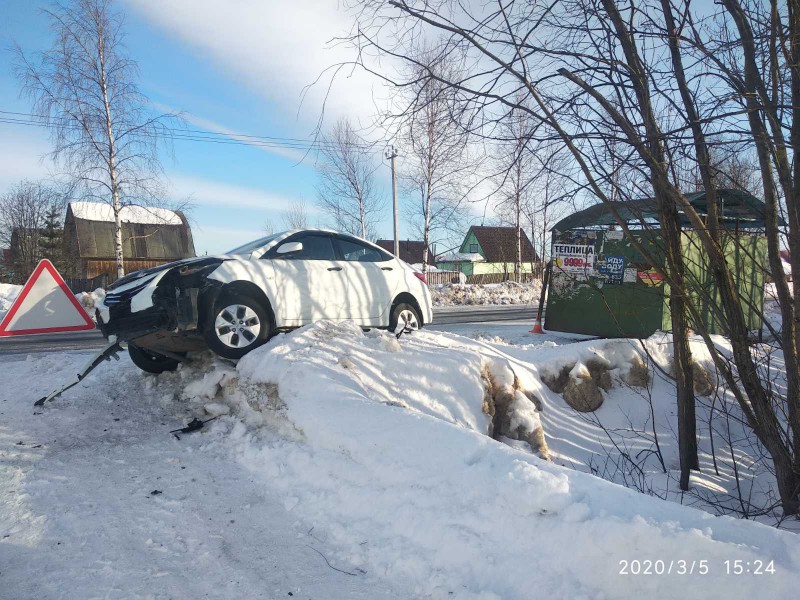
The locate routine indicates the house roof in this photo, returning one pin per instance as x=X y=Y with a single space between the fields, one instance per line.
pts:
x=410 y=251
x=736 y=208
x=462 y=257
x=144 y=215
x=499 y=244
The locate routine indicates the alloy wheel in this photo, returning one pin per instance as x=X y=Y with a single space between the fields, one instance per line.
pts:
x=408 y=320
x=237 y=326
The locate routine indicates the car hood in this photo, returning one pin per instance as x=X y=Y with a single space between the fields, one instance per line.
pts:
x=147 y=273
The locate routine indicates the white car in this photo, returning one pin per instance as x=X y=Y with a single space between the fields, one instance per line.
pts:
x=234 y=302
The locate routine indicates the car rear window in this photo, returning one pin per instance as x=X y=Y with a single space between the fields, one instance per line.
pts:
x=356 y=251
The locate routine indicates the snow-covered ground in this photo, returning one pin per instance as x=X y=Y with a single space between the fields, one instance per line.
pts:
x=335 y=449
x=508 y=292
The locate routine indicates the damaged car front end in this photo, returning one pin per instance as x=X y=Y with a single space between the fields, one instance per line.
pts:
x=158 y=310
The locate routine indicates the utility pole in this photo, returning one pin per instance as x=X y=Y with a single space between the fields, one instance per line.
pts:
x=391 y=153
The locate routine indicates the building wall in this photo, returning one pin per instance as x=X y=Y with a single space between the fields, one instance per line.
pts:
x=507 y=267
x=461 y=267
x=469 y=241
x=481 y=268
x=746 y=256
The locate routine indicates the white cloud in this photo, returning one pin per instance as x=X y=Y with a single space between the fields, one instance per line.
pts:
x=275 y=48
x=208 y=192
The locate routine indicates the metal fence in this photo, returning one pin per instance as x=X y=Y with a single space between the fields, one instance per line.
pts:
x=443 y=277
x=447 y=277
x=82 y=284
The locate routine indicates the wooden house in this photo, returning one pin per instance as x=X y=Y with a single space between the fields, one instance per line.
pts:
x=150 y=237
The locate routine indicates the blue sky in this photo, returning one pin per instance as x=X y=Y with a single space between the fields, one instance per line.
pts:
x=237 y=65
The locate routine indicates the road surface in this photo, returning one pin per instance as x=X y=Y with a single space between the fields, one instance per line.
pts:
x=442 y=318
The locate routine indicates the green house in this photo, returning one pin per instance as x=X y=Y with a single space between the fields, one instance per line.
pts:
x=601 y=285
x=490 y=250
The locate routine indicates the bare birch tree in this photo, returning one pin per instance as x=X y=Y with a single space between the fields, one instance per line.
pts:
x=85 y=88
x=436 y=169
x=515 y=163
x=347 y=190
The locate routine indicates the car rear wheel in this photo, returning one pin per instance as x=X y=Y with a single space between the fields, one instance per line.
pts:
x=149 y=361
x=405 y=316
x=238 y=324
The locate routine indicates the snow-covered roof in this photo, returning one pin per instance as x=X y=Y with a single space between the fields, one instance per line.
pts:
x=145 y=215
x=461 y=257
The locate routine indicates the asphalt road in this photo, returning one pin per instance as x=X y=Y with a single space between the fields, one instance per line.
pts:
x=88 y=340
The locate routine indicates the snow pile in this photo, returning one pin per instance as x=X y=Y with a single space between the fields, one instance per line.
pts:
x=379 y=446
x=508 y=292
x=347 y=363
x=90 y=300
x=8 y=293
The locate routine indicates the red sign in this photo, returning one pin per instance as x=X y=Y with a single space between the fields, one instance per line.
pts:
x=45 y=305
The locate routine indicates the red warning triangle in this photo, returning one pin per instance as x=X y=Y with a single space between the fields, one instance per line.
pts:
x=45 y=305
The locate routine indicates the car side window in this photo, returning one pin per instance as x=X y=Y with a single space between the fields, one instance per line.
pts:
x=315 y=247
x=355 y=251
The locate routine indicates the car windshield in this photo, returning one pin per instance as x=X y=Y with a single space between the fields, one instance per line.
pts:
x=248 y=248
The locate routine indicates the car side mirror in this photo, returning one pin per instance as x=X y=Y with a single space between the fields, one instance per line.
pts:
x=289 y=248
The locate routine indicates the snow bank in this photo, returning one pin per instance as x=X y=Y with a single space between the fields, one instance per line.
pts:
x=338 y=363
x=508 y=292
x=379 y=445
x=8 y=293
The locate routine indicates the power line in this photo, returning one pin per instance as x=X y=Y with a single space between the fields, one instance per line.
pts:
x=198 y=135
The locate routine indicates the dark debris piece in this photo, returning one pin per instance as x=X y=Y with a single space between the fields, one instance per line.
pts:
x=194 y=425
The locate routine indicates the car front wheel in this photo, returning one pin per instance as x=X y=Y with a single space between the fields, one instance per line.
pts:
x=238 y=324
x=405 y=316
x=149 y=361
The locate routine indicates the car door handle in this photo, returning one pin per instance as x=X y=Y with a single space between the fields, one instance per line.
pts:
x=334 y=268
x=386 y=268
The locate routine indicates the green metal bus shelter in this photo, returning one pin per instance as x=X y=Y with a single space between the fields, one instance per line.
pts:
x=601 y=285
